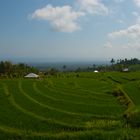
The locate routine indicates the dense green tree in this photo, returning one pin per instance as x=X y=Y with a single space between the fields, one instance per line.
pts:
x=64 y=67
x=15 y=70
x=2 y=67
x=94 y=67
x=112 y=61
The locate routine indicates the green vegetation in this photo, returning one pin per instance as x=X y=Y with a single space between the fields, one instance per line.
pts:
x=99 y=106
x=10 y=70
x=132 y=65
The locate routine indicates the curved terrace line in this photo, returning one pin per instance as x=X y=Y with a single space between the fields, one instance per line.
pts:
x=51 y=108
x=12 y=101
x=66 y=101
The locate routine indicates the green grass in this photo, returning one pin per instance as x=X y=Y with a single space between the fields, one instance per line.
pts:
x=68 y=107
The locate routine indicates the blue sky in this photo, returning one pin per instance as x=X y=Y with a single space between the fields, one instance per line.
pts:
x=76 y=30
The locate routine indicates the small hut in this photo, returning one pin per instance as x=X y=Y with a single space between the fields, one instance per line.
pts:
x=96 y=71
x=126 y=70
x=31 y=75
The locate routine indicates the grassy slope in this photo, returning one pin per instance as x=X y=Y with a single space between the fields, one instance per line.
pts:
x=66 y=108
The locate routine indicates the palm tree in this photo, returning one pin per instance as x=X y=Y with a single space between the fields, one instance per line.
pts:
x=64 y=67
x=112 y=61
x=94 y=66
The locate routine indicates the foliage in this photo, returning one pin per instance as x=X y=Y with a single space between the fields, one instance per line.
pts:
x=7 y=69
x=132 y=64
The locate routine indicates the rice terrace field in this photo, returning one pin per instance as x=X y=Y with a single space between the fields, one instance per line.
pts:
x=71 y=106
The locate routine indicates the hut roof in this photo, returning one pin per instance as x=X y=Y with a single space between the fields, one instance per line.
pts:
x=31 y=75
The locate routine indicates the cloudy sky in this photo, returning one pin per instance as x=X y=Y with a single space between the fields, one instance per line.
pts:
x=69 y=30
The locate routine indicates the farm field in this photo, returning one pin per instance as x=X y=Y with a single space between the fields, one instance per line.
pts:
x=99 y=106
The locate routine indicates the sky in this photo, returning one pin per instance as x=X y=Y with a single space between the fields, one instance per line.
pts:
x=69 y=30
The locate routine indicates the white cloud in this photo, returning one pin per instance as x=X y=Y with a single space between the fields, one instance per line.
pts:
x=138 y=19
x=62 y=19
x=137 y=2
x=93 y=7
x=132 y=32
x=119 y=1
x=120 y=21
x=65 y=18
x=127 y=38
x=108 y=45
x=132 y=46
x=136 y=14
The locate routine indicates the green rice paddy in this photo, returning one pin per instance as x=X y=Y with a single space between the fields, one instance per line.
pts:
x=68 y=107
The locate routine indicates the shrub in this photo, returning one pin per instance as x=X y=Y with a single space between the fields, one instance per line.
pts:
x=133 y=116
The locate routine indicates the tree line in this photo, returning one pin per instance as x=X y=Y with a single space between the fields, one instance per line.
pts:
x=8 y=69
x=126 y=62
x=132 y=64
